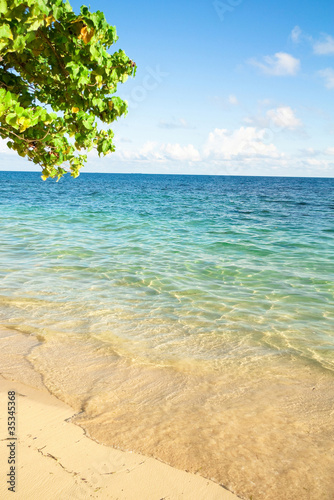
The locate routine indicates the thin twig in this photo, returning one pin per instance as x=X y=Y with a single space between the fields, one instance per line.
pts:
x=23 y=138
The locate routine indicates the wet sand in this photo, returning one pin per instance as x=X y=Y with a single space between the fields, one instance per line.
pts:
x=56 y=460
x=262 y=429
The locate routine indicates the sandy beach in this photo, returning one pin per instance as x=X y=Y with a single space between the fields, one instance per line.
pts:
x=55 y=459
x=71 y=447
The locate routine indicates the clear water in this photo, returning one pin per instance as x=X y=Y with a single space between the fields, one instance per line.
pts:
x=217 y=281
x=168 y=267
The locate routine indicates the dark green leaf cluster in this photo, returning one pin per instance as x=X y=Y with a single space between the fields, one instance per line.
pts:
x=56 y=81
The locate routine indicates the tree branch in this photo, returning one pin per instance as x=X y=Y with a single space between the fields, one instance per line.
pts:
x=23 y=138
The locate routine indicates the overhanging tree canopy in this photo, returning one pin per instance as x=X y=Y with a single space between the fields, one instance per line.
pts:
x=56 y=81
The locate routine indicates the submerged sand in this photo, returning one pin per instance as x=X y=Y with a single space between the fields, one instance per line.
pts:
x=264 y=431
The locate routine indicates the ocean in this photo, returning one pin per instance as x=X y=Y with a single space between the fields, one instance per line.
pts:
x=190 y=318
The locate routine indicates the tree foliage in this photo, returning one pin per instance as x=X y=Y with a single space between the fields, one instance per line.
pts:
x=57 y=81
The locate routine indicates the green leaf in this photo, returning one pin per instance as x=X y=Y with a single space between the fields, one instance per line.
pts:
x=5 y=32
x=8 y=99
x=24 y=123
x=88 y=123
x=11 y=119
x=19 y=43
x=74 y=68
x=3 y=6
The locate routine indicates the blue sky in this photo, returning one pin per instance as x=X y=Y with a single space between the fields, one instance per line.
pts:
x=235 y=87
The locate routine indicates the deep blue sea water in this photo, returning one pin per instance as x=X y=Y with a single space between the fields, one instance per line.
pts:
x=164 y=267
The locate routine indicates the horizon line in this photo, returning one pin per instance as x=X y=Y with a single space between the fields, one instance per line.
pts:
x=180 y=174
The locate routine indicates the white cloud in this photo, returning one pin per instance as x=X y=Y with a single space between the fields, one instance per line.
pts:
x=281 y=64
x=324 y=46
x=244 y=151
x=264 y=102
x=248 y=150
x=328 y=75
x=314 y=162
x=179 y=123
x=226 y=102
x=243 y=142
x=181 y=153
x=295 y=34
x=148 y=147
x=309 y=152
x=275 y=120
x=284 y=117
x=232 y=99
x=152 y=151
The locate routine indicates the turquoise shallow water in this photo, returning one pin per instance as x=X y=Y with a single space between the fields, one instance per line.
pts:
x=166 y=268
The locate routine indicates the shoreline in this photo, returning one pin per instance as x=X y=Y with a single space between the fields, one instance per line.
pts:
x=56 y=459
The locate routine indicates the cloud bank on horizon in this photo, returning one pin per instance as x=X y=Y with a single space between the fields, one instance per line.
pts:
x=247 y=91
